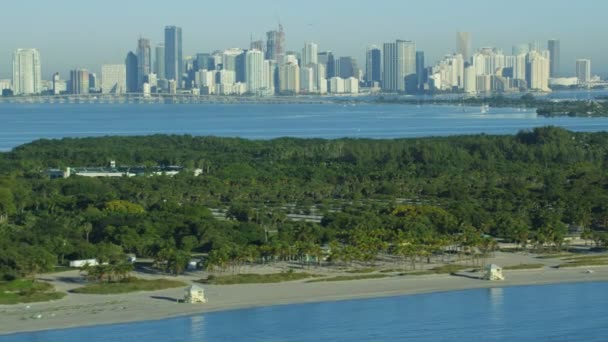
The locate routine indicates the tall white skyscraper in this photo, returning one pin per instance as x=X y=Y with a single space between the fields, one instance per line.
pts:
x=307 y=79
x=27 y=76
x=113 y=79
x=309 y=54
x=583 y=70
x=539 y=71
x=268 y=76
x=400 y=66
x=289 y=78
x=254 y=67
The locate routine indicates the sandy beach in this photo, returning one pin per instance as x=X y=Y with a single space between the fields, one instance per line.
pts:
x=77 y=310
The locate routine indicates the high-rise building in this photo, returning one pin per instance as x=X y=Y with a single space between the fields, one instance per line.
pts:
x=275 y=44
x=254 y=68
x=400 y=66
x=554 y=50
x=114 y=79
x=373 y=66
x=538 y=71
x=257 y=45
x=420 y=69
x=144 y=61
x=79 y=82
x=27 y=76
x=289 y=79
x=203 y=61
x=327 y=59
x=310 y=54
x=463 y=45
x=347 y=67
x=583 y=70
x=269 y=75
x=131 y=68
x=159 y=62
x=174 y=60
x=93 y=82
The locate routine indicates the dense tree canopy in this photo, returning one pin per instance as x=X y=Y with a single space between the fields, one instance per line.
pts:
x=368 y=192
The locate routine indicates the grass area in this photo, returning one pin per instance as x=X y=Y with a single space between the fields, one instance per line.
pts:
x=362 y=270
x=554 y=256
x=256 y=278
x=588 y=260
x=129 y=285
x=346 y=278
x=27 y=291
x=394 y=270
x=524 y=267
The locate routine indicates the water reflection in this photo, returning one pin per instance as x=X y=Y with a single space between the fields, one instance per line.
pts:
x=197 y=327
x=496 y=300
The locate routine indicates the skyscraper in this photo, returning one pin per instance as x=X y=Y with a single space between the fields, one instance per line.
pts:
x=400 y=66
x=583 y=70
x=254 y=64
x=159 y=65
x=348 y=68
x=554 y=50
x=257 y=45
x=309 y=54
x=131 y=68
x=113 y=79
x=144 y=61
x=373 y=65
x=173 y=54
x=275 y=44
x=420 y=69
x=327 y=59
x=27 y=77
x=79 y=81
x=538 y=71
x=289 y=79
x=463 y=45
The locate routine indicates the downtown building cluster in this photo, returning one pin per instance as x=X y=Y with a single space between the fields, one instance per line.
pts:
x=267 y=68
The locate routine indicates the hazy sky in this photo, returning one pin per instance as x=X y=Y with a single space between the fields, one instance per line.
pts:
x=77 y=33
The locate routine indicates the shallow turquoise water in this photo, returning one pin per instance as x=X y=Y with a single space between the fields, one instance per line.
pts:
x=20 y=124
x=565 y=312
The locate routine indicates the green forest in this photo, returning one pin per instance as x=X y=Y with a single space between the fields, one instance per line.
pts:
x=401 y=196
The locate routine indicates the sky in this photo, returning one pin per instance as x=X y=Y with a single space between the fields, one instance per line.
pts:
x=74 y=34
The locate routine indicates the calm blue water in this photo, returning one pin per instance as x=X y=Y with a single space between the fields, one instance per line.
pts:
x=566 y=312
x=20 y=124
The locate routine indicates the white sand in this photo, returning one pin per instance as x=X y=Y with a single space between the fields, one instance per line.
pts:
x=77 y=310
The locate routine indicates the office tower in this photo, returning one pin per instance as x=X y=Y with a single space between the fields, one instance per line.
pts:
x=310 y=54
x=519 y=67
x=174 y=60
x=27 y=77
x=420 y=70
x=113 y=78
x=254 y=65
x=289 y=79
x=56 y=80
x=538 y=71
x=159 y=61
x=400 y=66
x=93 y=83
x=240 y=67
x=347 y=67
x=554 y=50
x=275 y=44
x=520 y=49
x=79 y=81
x=583 y=70
x=307 y=79
x=203 y=61
x=463 y=45
x=229 y=58
x=320 y=78
x=327 y=59
x=534 y=46
x=144 y=61
x=269 y=73
x=470 y=80
x=131 y=68
x=373 y=65
x=257 y=45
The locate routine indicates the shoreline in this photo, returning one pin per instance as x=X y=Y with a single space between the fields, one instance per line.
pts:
x=78 y=311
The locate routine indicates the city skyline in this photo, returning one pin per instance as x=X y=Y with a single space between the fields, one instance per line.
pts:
x=579 y=37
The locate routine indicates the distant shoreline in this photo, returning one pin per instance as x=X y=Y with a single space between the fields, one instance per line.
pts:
x=92 y=310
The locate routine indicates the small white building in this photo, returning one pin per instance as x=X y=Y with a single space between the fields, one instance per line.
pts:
x=83 y=263
x=493 y=273
x=194 y=295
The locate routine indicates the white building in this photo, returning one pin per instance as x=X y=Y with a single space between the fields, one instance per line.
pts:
x=399 y=66
x=351 y=86
x=563 y=81
x=289 y=78
x=310 y=54
x=113 y=79
x=229 y=58
x=320 y=78
x=268 y=76
x=307 y=80
x=27 y=76
x=539 y=71
x=583 y=70
x=205 y=80
x=336 y=85
x=254 y=68
x=470 y=80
